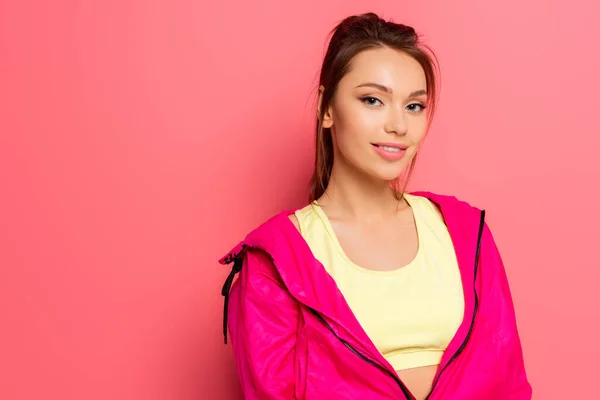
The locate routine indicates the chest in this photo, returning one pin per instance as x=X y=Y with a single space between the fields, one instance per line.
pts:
x=380 y=247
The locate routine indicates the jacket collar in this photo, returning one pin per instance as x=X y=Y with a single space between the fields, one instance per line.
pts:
x=308 y=281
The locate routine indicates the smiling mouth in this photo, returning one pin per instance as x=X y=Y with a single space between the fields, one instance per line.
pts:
x=388 y=148
x=392 y=149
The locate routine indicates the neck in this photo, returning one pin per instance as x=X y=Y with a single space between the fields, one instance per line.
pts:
x=351 y=194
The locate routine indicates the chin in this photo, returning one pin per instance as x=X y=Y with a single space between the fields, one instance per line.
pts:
x=381 y=170
x=387 y=174
x=393 y=171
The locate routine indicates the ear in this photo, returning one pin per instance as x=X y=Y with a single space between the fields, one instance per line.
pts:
x=327 y=121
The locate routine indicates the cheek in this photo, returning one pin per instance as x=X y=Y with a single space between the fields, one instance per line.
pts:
x=357 y=126
x=418 y=130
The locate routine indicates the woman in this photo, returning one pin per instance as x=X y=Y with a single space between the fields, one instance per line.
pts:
x=369 y=292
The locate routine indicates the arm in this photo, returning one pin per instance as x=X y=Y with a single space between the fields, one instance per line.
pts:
x=505 y=320
x=263 y=322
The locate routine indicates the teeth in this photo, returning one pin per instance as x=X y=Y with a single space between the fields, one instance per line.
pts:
x=387 y=148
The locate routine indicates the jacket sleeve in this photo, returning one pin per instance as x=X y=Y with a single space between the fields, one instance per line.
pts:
x=263 y=323
x=504 y=321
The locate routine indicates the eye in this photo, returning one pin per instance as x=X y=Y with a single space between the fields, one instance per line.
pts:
x=370 y=100
x=416 y=107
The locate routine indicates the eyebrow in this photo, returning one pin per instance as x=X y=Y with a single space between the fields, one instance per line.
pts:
x=389 y=90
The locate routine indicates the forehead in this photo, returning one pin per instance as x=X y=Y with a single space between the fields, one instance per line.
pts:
x=392 y=68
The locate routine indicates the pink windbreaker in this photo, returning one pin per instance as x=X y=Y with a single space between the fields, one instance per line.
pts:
x=295 y=337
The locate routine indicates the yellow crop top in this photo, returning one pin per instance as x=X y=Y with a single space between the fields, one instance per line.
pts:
x=412 y=313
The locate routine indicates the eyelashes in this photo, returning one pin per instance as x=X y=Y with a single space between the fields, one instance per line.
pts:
x=368 y=100
x=375 y=102
x=421 y=107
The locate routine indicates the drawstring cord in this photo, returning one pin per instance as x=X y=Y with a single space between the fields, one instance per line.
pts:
x=237 y=267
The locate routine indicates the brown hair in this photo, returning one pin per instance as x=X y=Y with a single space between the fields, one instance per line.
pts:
x=351 y=36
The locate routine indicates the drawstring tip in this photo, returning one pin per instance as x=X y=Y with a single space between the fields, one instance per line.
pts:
x=237 y=267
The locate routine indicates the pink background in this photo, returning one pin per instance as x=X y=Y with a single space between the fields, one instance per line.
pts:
x=141 y=140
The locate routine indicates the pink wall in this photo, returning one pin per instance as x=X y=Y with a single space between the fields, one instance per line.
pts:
x=140 y=140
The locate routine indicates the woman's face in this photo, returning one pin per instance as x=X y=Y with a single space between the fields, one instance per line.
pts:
x=377 y=115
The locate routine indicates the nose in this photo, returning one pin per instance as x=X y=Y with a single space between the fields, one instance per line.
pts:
x=396 y=122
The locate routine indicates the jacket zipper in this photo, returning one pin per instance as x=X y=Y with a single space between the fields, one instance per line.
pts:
x=237 y=260
x=476 y=307
x=403 y=387
x=405 y=391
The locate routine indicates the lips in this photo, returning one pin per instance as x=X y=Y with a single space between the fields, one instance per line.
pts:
x=390 y=151
x=390 y=146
